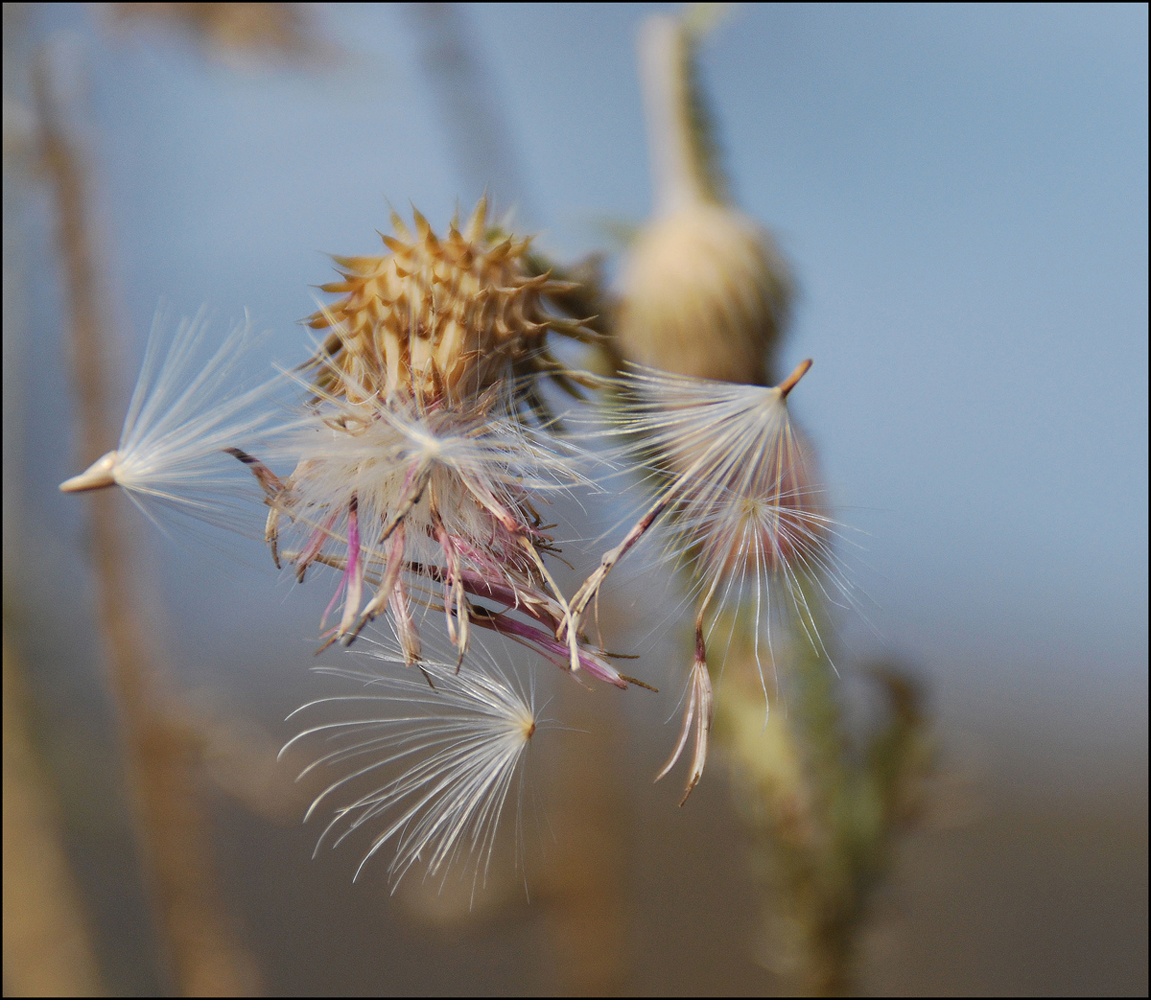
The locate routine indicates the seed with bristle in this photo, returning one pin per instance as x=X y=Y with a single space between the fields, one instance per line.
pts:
x=189 y=408
x=727 y=451
x=460 y=739
x=737 y=484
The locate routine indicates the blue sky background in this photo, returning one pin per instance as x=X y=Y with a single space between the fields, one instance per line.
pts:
x=963 y=194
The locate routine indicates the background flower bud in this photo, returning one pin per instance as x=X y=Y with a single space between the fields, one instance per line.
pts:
x=705 y=291
x=706 y=294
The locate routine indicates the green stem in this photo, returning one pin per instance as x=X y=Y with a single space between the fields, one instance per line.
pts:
x=684 y=165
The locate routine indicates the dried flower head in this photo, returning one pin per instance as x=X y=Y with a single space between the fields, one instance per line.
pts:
x=421 y=462
x=438 y=318
x=418 y=456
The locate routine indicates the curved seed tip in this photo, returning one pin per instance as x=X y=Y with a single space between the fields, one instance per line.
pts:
x=98 y=475
x=793 y=379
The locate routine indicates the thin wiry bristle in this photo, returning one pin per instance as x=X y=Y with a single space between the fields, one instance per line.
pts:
x=459 y=738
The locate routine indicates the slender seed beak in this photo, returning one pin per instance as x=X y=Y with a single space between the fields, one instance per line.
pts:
x=787 y=385
x=98 y=475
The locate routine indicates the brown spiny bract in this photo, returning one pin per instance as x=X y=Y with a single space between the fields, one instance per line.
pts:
x=437 y=318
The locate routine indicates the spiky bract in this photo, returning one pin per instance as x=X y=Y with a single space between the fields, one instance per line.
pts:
x=437 y=318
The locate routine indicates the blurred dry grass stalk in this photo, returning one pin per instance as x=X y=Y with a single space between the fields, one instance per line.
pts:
x=582 y=883
x=233 y=32
x=706 y=294
x=161 y=751
x=47 y=948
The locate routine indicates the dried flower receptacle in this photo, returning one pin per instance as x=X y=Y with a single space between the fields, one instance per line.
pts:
x=418 y=463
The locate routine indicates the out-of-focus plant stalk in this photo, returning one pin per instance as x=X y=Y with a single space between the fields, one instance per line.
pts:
x=243 y=35
x=705 y=294
x=824 y=809
x=582 y=884
x=684 y=167
x=161 y=754
x=47 y=949
x=463 y=93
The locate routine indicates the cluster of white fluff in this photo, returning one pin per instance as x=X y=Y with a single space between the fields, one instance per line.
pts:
x=435 y=485
x=742 y=495
x=426 y=505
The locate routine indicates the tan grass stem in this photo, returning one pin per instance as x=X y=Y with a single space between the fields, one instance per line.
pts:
x=171 y=826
